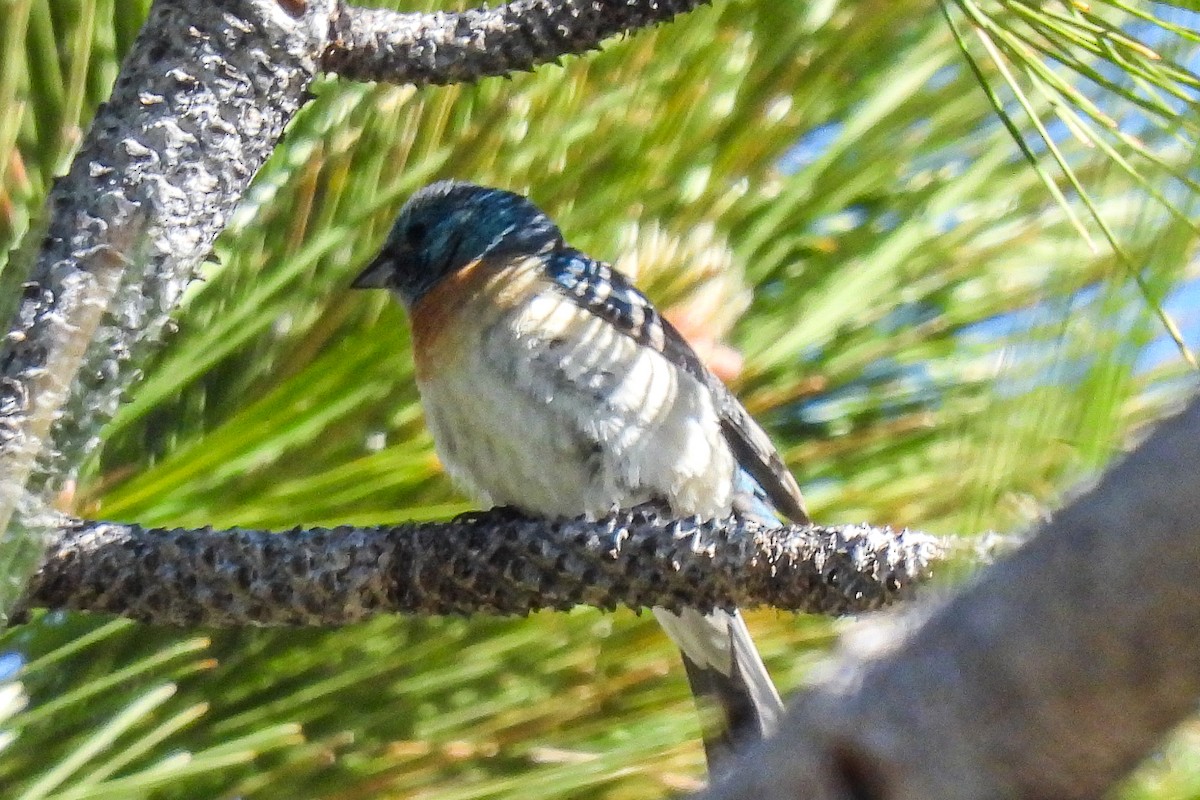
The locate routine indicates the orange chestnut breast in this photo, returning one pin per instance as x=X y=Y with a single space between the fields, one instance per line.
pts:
x=453 y=315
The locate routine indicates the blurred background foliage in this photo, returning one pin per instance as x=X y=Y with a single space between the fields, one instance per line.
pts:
x=948 y=305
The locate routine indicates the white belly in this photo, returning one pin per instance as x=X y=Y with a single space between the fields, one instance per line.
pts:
x=554 y=412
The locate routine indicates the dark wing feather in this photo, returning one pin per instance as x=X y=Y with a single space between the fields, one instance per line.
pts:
x=603 y=291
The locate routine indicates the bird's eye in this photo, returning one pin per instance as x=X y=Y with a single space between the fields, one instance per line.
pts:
x=416 y=233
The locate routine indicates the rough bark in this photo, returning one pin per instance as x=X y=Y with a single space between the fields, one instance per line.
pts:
x=491 y=563
x=382 y=45
x=201 y=101
x=1051 y=676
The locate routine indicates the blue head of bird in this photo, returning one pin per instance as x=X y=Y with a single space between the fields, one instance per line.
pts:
x=447 y=226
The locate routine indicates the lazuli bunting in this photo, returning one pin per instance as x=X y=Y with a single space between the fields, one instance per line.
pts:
x=553 y=386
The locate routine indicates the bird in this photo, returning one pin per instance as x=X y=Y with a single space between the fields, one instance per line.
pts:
x=553 y=387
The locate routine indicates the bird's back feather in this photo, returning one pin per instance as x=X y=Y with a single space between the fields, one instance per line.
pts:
x=605 y=292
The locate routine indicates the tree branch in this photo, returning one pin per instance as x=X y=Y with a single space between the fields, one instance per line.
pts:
x=201 y=101
x=1051 y=676
x=371 y=44
x=491 y=563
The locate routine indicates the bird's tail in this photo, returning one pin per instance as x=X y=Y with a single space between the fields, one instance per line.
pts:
x=738 y=703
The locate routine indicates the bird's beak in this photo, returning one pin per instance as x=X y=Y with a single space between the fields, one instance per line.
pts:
x=376 y=275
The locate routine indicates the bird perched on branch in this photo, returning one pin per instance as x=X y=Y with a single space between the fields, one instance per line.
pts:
x=553 y=386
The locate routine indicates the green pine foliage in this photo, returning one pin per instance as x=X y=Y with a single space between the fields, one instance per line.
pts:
x=957 y=304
